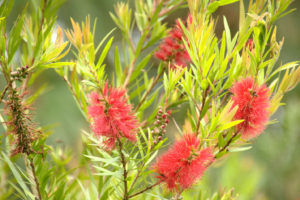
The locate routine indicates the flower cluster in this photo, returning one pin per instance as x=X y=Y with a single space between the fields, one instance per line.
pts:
x=183 y=164
x=253 y=103
x=173 y=50
x=112 y=116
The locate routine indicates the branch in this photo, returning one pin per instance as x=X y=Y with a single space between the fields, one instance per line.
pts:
x=144 y=190
x=169 y=10
x=228 y=143
x=124 y=170
x=130 y=70
x=150 y=89
x=37 y=184
x=3 y=93
x=24 y=86
x=202 y=106
x=137 y=176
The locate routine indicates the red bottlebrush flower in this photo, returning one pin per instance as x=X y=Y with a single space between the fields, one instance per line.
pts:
x=190 y=19
x=173 y=50
x=183 y=163
x=250 y=44
x=112 y=116
x=253 y=102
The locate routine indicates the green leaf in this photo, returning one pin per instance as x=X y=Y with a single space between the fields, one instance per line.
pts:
x=18 y=177
x=104 y=53
x=105 y=161
x=284 y=67
x=103 y=40
x=230 y=124
x=14 y=36
x=106 y=172
x=55 y=65
x=242 y=15
x=238 y=149
x=139 y=67
x=86 y=192
x=151 y=158
x=118 y=67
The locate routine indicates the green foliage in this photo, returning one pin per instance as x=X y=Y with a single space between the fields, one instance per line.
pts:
x=201 y=91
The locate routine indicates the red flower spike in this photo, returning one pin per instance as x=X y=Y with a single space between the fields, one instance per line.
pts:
x=250 y=44
x=173 y=50
x=111 y=116
x=189 y=19
x=253 y=103
x=183 y=163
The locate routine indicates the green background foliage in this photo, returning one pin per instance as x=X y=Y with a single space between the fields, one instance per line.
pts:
x=270 y=170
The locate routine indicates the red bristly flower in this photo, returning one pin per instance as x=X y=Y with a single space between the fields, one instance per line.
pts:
x=173 y=50
x=250 y=44
x=112 y=116
x=253 y=103
x=183 y=163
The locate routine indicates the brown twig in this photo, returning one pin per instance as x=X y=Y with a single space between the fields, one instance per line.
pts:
x=201 y=110
x=137 y=176
x=131 y=43
x=37 y=184
x=24 y=85
x=3 y=93
x=168 y=10
x=124 y=170
x=144 y=190
x=73 y=92
x=150 y=89
x=130 y=71
x=228 y=143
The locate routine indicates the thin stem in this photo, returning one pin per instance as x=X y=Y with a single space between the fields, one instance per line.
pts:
x=150 y=89
x=202 y=106
x=43 y=16
x=124 y=170
x=37 y=184
x=130 y=71
x=131 y=43
x=144 y=190
x=137 y=176
x=178 y=195
x=24 y=85
x=145 y=31
x=224 y=100
x=228 y=142
x=75 y=96
x=3 y=93
x=168 y=10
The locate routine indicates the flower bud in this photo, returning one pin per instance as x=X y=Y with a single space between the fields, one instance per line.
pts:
x=156 y=131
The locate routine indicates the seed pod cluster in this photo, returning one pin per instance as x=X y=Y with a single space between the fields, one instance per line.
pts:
x=160 y=125
x=20 y=74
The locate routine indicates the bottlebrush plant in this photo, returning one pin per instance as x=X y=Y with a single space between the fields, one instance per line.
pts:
x=226 y=89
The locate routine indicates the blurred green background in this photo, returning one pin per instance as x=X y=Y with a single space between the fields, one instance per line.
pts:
x=270 y=170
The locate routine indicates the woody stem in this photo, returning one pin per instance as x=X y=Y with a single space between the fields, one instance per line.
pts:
x=150 y=89
x=123 y=161
x=144 y=190
x=202 y=108
x=228 y=142
x=37 y=184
